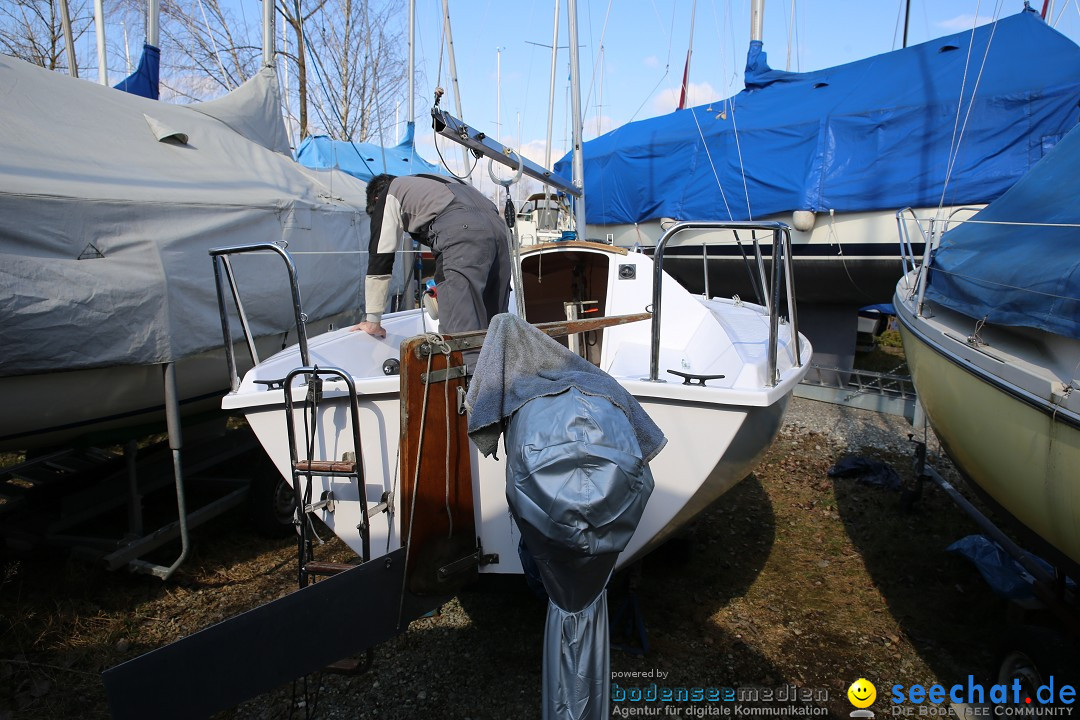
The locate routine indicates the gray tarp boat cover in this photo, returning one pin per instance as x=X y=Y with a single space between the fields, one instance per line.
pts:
x=109 y=203
x=577 y=481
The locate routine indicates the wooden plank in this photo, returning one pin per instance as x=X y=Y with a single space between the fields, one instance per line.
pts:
x=437 y=513
x=558 y=328
x=317 y=466
x=564 y=244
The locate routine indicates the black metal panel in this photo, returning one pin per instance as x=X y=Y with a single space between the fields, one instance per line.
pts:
x=255 y=652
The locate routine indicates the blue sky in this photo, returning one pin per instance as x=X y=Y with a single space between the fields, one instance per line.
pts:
x=503 y=56
x=644 y=42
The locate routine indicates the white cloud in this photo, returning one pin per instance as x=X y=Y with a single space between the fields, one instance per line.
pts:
x=596 y=126
x=962 y=22
x=667 y=100
x=535 y=149
x=651 y=61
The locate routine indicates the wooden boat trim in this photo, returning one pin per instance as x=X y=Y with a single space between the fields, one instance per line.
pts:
x=558 y=328
x=575 y=244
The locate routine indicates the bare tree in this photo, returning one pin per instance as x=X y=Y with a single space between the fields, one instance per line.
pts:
x=292 y=11
x=347 y=56
x=31 y=30
x=206 y=47
x=363 y=68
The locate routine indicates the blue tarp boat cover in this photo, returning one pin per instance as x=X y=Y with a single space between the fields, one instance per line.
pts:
x=1005 y=576
x=364 y=160
x=870 y=135
x=1026 y=275
x=144 y=81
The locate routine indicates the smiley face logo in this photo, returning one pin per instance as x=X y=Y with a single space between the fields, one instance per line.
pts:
x=862 y=693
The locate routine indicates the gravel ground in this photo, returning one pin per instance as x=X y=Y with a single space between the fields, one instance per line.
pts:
x=856 y=428
x=726 y=606
x=792 y=579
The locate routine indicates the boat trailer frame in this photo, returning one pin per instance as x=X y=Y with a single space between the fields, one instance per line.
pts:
x=1049 y=588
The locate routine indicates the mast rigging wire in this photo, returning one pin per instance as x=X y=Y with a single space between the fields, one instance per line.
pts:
x=322 y=83
x=954 y=145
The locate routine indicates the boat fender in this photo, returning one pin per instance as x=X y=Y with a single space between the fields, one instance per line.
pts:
x=803 y=220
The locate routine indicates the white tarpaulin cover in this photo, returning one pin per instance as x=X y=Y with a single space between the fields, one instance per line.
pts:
x=105 y=228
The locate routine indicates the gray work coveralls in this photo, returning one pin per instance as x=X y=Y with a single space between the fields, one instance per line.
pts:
x=466 y=234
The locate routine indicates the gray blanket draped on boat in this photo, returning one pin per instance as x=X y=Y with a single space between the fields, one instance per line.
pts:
x=577 y=481
x=519 y=363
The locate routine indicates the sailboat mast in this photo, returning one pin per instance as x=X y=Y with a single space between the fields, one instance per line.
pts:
x=684 y=94
x=907 y=19
x=69 y=39
x=99 y=26
x=453 y=76
x=551 y=87
x=498 y=93
x=578 y=164
x=268 y=32
x=757 y=20
x=410 y=105
x=153 y=14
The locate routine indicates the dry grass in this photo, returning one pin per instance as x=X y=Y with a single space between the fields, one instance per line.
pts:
x=792 y=578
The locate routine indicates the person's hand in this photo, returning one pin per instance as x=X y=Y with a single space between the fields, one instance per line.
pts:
x=371 y=328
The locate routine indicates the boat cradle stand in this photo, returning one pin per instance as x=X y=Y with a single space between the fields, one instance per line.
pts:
x=61 y=498
x=1050 y=588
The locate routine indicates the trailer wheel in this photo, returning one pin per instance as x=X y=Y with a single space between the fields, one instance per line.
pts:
x=271 y=503
x=1032 y=655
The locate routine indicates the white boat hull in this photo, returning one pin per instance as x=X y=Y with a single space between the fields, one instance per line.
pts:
x=708 y=452
x=851 y=259
x=716 y=433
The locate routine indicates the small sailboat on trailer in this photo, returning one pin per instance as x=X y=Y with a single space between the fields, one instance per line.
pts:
x=372 y=437
x=738 y=362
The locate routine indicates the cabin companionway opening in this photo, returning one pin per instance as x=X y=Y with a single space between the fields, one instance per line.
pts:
x=572 y=285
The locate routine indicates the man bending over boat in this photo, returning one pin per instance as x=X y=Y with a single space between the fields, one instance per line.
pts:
x=465 y=233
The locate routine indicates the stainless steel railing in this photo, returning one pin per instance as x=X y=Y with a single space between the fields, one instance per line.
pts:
x=781 y=257
x=931 y=229
x=223 y=272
